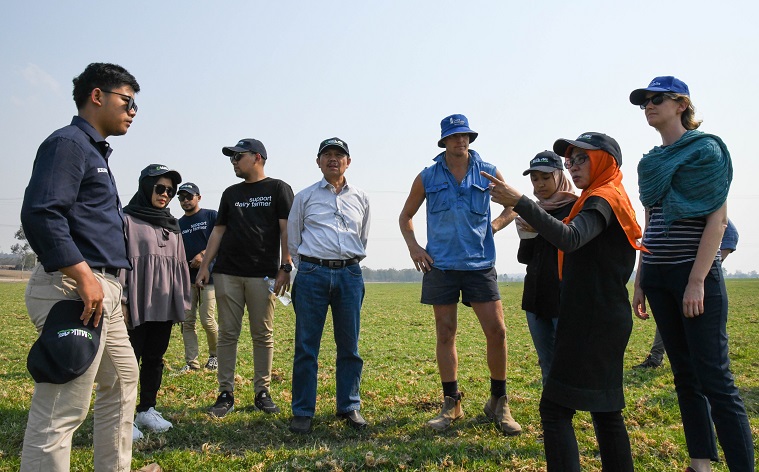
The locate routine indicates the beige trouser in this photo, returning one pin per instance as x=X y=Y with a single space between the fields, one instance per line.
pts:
x=233 y=293
x=203 y=304
x=58 y=410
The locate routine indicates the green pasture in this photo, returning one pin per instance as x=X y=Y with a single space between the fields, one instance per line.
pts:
x=400 y=391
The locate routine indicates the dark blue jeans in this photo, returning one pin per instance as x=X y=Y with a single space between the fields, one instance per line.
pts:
x=698 y=353
x=316 y=289
x=543 y=333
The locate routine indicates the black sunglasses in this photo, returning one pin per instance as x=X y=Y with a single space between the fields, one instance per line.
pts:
x=185 y=196
x=578 y=160
x=130 y=104
x=239 y=155
x=160 y=189
x=656 y=99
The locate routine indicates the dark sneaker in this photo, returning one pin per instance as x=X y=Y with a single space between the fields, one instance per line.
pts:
x=213 y=363
x=649 y=363
x=224 y=404
x=265 y=403
x=187 y=369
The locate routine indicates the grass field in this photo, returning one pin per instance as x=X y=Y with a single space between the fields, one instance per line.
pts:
x=400 y=391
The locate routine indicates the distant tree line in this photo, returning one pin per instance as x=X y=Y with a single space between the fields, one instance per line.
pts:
x=413 y=276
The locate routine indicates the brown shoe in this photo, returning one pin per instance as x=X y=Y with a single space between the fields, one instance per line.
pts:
x=497 y=409
x=451 y=412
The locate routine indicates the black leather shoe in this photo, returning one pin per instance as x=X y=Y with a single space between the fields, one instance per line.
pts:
x=354 y=419
x=300 y=424
x=650 y=363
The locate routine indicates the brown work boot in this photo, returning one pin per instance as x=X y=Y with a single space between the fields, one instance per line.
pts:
x=451 y=412
x=497 y=409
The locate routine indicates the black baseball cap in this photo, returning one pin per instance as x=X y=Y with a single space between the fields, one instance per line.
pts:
x=190 y=188
x=66 y=347
x=546 y=161
x=245 y=145
x=593 y=141
x=333 y=143
x=154 y=170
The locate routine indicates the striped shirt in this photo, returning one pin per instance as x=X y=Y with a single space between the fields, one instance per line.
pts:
x=676 y=246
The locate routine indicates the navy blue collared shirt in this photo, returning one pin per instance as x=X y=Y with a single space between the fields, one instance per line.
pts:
x=71 y=211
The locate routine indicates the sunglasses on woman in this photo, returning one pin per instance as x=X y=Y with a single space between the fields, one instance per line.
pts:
x=656 y=100
x=160 y=189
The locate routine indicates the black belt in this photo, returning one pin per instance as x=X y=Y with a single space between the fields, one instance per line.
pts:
x=107 y=270
x=331 y=263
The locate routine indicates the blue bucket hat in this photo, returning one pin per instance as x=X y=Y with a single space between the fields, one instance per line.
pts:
x=455 y=124
x=665 y=83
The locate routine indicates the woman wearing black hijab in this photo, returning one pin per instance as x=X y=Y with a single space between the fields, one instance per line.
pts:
x=157 y=288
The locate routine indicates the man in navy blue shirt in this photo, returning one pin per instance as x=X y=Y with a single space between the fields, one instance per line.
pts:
x=197 y=224
x=72 y=218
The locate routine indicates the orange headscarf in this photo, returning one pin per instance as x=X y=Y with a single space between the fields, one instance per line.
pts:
x=606 y=182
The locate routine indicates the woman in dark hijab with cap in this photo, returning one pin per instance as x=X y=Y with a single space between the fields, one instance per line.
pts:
x=683 y=186
x=597 y=244
x=157 y=289
x=540 y=297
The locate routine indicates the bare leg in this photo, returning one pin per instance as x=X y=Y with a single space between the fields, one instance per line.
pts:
x=445 y=349
x=490 y=315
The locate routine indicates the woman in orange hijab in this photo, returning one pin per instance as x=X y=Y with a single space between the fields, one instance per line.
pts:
x=597 y=244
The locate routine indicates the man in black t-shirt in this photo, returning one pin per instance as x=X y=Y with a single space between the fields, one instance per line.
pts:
x=197 y=224
x=247 y=240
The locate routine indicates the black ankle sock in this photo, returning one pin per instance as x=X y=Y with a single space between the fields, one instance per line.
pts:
x=497 y=388
x=451 y=389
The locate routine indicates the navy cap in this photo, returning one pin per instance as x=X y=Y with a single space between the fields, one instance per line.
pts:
x=190 y=188
x=246 y=145
x=334 y=143
x=593 y=141
x=455 y=124
x=65 y=348
x=546 y=161
x=154 y=170
x=665 y=83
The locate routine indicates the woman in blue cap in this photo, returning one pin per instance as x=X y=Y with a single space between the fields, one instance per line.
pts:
x=683 y=186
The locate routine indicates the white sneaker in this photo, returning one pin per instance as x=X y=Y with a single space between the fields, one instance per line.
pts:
x=152 y=420
x=136 y=434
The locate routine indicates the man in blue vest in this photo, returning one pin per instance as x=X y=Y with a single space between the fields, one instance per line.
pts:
x=460 y=259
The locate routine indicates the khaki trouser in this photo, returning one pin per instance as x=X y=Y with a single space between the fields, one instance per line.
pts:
x=204 y=305
x=233 y=293
x=58 y=410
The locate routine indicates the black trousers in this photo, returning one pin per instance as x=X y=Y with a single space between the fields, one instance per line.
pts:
x=560 y=442
x=150 y=341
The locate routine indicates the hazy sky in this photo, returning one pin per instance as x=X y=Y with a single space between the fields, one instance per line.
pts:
x=380 y=75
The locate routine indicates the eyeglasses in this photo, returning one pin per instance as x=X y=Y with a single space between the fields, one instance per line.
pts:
x=130 y=104
x=656 y=99
x=578 y=160
x=160 y=189
x=185 y=196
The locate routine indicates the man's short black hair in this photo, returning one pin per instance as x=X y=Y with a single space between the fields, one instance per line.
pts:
x=104 y=76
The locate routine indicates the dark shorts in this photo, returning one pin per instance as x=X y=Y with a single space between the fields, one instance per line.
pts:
x=442 y=287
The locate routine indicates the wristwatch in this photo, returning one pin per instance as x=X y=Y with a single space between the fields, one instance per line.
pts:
x=286 y=267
